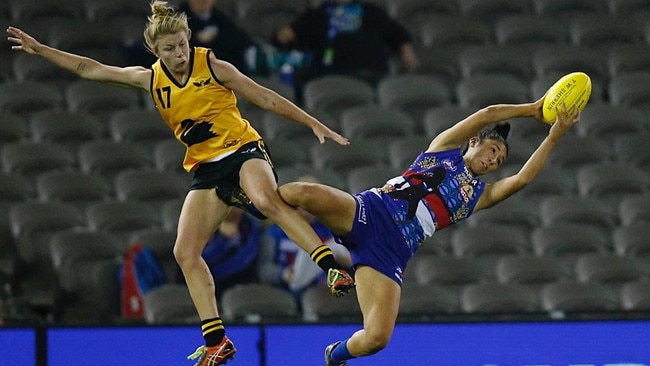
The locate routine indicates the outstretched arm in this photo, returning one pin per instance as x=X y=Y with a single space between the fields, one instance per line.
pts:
x=457 y=134
x=506 y=187
x=268 y=99
x=87 y=68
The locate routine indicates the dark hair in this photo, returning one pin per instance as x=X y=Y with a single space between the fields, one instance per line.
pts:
x=497 y=132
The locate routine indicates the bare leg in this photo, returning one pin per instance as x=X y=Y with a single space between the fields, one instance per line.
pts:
x=379 y=298
x=331 y=206
x=200 y=217
x=259 y=184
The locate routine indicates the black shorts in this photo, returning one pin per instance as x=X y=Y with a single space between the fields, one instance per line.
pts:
x=223 y=176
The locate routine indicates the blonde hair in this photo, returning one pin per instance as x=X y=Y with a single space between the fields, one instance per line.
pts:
x=164 y=20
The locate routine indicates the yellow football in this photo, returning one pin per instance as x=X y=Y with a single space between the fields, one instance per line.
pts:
x=573 y=90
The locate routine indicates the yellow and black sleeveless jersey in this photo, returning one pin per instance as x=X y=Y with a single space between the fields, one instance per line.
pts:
x=202 y=112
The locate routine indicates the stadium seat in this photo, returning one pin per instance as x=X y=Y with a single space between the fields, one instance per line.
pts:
x=335 y=93
x=611 y=182
x=454 y=32
x=13 y=128
x=631 y=90
x=570 y=8
x=495 y=240
x=170 y=212
x=634 y=210
x=609 y=269
x=403 y=151
x=551 y=181
x=557 y=60
x=168 y=155
x=342 y=159
x=318 y=305
x=413 y=13
x=586 y=211
x=140 y=126
x=438 y=119
x=573 y=297
x=498 y=298
x=80 y=35
x=97 y=10
x=635 y=296
x=122 y=218
x=277 y=127
x=31 y=158
x=170 y=304
x=69 y=129
x=74 y=252
x=567 y=241
x=448 y=271
x=26 y=67
x=628 y=7
x=413 y=94
x=531 y=270
x=22 y=10
x=290 y=152
x=427 y=301
x=161 y=242
x=607 y=121
x=73 y=187
x=632 y=240
x=574 y=151
x=32 y=226
x=529 y=31
x=625 y=58
x=387 y=123
x=254 y=302
x=108 y=158
x=600 y=31
x=362 y=178
x=150 y=186
x=98 y=98
x=482 y=90
x=632 y=150
x=516 y=212
x=493 y=9
x=327 y=176
x=15 y=188
x=255 y=9
x=495 y=59
x=25 y=98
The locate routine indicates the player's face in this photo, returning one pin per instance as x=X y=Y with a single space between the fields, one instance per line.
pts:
x=174 y=51
x=485 y=156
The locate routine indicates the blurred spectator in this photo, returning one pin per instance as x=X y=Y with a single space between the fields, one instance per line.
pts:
x=347 y=37
x=231 y=253
x=282 y=263
x=212 y=28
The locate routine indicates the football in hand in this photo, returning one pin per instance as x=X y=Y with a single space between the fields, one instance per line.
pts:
x=573 y=90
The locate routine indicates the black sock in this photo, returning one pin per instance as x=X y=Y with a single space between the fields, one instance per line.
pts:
x=324 y=257
x=213 y=331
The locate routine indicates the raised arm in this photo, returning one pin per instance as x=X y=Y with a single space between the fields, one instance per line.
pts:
x=506 y=187
x=268 y=99
x=87 y=68
x=457 y=134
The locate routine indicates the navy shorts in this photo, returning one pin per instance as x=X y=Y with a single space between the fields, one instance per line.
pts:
x=375 y=240
x=223 y=176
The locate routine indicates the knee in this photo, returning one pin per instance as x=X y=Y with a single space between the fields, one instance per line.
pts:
x=376 y=341
x=184 y=254
x=295 y=193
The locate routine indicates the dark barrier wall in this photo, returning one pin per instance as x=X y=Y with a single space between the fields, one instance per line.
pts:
x=594 y=343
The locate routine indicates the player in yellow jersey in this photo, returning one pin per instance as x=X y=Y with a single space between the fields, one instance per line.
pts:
x=194 y=92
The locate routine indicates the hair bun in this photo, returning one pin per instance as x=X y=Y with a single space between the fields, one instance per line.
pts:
x=503 y=129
